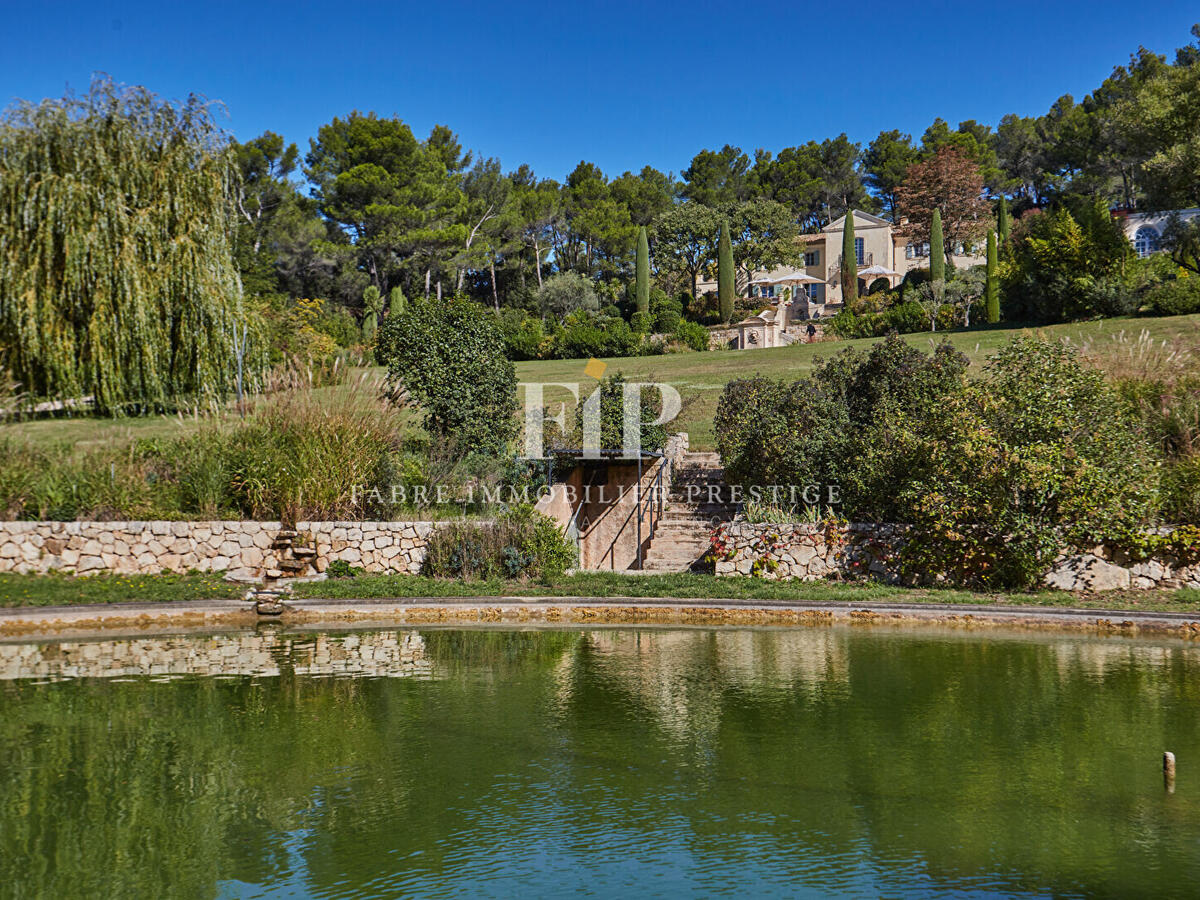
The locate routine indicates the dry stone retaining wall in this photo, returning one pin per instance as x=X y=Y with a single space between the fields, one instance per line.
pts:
x=814 y=552
x=240 y=548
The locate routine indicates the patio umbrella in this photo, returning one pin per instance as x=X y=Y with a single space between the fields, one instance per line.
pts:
x=798 y=278
x=878 y=270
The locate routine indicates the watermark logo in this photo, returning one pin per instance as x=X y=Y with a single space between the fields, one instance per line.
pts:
x=538 y=413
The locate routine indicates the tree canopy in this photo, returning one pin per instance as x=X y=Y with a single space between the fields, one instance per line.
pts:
x=135 y=304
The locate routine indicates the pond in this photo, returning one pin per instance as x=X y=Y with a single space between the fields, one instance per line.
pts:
x=813 y=761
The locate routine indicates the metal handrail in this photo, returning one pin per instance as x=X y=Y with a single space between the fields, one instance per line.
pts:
x=656 y=494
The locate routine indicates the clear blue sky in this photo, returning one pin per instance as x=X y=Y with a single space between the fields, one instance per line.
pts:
x=620 y=84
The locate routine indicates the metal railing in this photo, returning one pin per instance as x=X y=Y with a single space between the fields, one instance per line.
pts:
x=652 y=506
x=868 y=259
x=648 y=508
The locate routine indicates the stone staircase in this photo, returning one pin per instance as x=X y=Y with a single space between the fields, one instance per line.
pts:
x=697 y=503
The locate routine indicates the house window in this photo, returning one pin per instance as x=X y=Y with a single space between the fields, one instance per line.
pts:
x=858 y=250
x=1145 y=241
x=816 y=293
x=812 y=258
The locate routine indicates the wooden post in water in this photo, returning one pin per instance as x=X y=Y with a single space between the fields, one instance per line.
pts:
x=1169 y=771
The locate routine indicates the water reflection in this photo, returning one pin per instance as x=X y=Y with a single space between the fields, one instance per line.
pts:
x=373 y=654
x=697 y=761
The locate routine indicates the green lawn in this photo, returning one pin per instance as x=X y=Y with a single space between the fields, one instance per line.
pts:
x=63 y=590
x=699 y=377
x=67 y=590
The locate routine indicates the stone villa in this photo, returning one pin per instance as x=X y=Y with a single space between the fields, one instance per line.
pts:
x=880 y=248
x=811 y=290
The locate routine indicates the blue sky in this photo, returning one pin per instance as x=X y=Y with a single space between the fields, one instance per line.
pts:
x=620 y=84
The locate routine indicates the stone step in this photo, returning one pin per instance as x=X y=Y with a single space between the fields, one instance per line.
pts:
x=678 y=546
x=700 y=509
x=692 y=476
x=667 y=532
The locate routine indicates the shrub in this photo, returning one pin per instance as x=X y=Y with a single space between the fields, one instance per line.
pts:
x=994 y=475
x=666 y=312
x=1067 y=265
x=339 y=568
x=692 y=334
x=904 y=318
x=583 y=336
x=1175 y=298
x=337 y=322
x=612 y=418
x=524 y=336
x=450 y=357
x=641 y=322
x=1181 y=489
x=522 y=543
x=1037 y=455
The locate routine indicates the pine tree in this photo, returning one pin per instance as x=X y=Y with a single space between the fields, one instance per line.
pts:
x=117 y=276
x=1003 y=222
x=937 y=249
x=372 y=307
x=992 y=289
x=396 y=301
x=725 y=283
x=849 y=271
x=643 y=272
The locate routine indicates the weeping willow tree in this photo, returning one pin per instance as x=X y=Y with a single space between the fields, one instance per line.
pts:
x=117 y=280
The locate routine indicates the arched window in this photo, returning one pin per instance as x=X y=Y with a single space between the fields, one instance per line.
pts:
x=1145 y=241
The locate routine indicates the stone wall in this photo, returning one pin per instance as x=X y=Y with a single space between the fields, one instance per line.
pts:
x=243 y=549
x=813 y=552
x=807 y=552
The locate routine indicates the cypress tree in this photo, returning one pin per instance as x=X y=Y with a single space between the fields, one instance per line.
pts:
x=1003 y=222
x=643 y=272
x=937 y=248
x=117 y=276
x=992 y=289
x=725 y=284
x=396 y=301
x=849 y=271
x=372 y=307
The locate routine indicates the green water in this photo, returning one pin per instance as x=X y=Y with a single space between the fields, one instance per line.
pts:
x=862 y=762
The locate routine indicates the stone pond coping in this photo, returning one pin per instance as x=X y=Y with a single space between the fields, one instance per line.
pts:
x=241 y=548
x=143 y=621
x=809 y=552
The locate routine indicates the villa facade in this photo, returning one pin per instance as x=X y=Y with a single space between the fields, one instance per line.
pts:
x=882 y=250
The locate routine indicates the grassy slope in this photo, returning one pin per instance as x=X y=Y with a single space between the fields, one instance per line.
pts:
x=60 y=590
x=699 y=377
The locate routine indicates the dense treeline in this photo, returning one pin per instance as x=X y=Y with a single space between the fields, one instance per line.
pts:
x=384 y=208
x=331 y=241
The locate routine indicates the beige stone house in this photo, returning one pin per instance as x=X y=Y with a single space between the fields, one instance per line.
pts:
x=880 y=248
